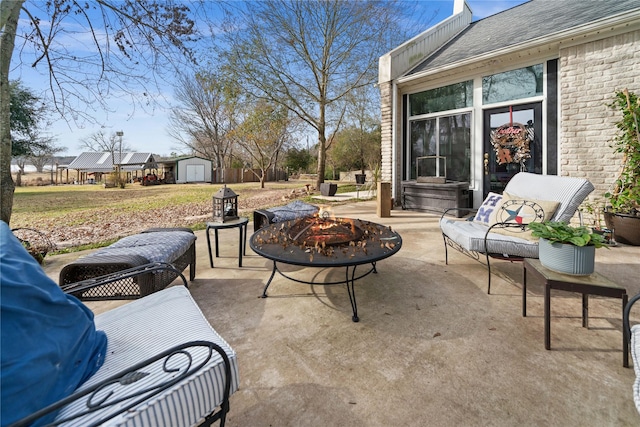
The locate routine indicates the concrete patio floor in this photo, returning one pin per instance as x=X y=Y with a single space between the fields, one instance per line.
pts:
x=431 y=347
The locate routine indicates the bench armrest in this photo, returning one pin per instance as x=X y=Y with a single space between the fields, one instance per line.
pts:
x=79 y=287
x=119 y=391
x=626 y=323
x=467 y=211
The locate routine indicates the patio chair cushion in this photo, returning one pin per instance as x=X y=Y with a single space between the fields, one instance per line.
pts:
x=159 y=246
x=635 y=356
x=149 y=326
x=569 y=192
x=470 y=235
x=40 y=364
x=293 y=210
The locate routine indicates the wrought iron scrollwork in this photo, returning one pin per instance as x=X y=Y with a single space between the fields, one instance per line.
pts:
x=116 y=391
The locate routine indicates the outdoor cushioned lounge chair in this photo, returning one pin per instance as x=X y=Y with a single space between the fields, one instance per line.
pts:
x=293 y=210
x=498 y=228
x=633 y=334
x=155 y=361
x=171 y=245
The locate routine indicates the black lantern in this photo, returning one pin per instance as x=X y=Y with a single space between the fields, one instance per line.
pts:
x=225 y=205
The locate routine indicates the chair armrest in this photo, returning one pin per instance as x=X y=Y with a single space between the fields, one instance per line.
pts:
x=153 y=267
x=119 y=391
x=261 y=218
x=625 y=316
x=467 y=210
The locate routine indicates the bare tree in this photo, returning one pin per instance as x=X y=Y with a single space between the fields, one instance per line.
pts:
x=308 y=55
x=262 y=135
x=101 y=142
x=42 y=153
x=130 y=41
x=204 y=116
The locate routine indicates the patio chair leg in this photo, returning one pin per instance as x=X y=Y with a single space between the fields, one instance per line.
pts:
x=489 y=278
x=446 y=252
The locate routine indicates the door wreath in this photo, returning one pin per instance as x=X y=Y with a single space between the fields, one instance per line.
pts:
x=511 y=144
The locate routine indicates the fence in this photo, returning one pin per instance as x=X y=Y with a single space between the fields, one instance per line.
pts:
x=236 y=175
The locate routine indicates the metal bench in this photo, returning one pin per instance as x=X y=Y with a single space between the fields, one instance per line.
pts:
x=164 y=364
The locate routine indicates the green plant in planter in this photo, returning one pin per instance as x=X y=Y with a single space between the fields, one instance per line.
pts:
x=594 y=209
x=624 y=198
x=561 y=232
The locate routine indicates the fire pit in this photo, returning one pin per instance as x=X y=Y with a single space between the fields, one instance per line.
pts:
x=320 y=241
x=316 y=230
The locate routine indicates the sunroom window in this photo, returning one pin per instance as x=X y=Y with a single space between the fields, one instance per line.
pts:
x=448 y=136
x=522 y=83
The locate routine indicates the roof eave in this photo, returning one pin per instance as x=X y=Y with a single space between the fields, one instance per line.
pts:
x=613 y=25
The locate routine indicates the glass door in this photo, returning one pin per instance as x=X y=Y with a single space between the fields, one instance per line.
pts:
x=512 y=143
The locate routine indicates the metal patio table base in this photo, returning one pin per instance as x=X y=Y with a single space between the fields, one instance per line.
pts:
x=241 y=224
x=594 y=284
x=349 y=281
x=378 y=242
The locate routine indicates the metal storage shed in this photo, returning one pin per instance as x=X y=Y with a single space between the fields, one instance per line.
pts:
x=193 y=169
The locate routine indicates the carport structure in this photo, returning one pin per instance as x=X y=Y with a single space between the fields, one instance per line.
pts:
x=96 y=164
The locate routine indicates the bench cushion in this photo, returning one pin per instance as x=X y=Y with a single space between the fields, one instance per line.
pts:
x=470 y=235
x=569 y=192
x=146 y=327
x=159 y=246
x=293 y=210
x=635 y=356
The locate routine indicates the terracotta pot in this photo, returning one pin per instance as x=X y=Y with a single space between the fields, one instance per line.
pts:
x=626 y=228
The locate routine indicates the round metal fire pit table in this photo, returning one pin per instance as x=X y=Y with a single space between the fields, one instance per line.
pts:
x=373 y=242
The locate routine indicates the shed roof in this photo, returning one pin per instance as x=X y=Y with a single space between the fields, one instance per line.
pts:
x=536 y=19
x=104 y=162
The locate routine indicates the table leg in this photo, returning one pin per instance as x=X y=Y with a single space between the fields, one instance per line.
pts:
x=273 y=273
x=209 y=246
x=240 y=246
x=216 y=233
x=585 y=310
x=352 y=293
x=547 y=316
x=244 y=248
x=524 y=290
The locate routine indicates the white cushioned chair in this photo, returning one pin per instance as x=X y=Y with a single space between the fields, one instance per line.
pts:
x=498 y=228
x=633 y=337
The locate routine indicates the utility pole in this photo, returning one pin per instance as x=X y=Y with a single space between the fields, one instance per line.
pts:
x=119 y=183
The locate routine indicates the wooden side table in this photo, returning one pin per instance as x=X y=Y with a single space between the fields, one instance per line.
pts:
x=241 y=224
x=594 y=284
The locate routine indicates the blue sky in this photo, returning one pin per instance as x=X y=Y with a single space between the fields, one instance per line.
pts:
x=145 y=131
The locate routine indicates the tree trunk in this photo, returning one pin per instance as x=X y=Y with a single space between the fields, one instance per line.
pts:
x=322 y=146
x=10 y=10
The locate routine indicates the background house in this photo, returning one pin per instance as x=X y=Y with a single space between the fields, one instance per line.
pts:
x=524 y=89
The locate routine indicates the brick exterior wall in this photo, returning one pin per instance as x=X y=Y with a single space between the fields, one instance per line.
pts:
x=590 y=74
x=386 y=130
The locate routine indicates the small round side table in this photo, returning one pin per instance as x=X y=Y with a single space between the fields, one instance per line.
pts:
x=241 y=224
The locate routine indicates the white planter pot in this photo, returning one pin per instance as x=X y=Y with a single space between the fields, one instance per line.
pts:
x=567 y=259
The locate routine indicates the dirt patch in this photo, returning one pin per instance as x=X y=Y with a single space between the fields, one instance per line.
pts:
x=82 y=228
